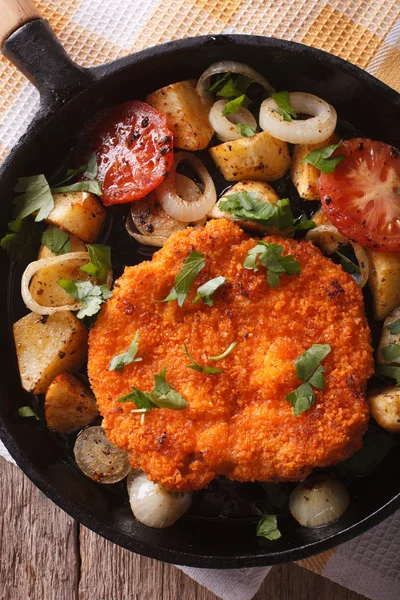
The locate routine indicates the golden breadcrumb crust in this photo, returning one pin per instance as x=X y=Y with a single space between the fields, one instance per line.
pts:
x=237 y=424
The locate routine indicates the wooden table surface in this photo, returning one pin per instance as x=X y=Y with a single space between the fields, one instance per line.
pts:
x=46 y=555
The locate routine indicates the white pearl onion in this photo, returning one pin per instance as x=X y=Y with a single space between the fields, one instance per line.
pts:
x=318 y=501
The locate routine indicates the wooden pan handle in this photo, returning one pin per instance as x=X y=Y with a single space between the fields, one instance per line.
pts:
x=14 y=14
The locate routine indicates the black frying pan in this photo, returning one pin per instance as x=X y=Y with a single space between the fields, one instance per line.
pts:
x=70 y=95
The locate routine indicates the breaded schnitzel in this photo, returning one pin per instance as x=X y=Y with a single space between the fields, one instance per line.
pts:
x=238 y=423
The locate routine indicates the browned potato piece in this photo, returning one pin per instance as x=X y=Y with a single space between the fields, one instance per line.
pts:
x=387 y=337
x=45 y=289
x=384 y=281
x=69 y=404
x=259 y=157
x=385 y=408
x=305 y=176
x=79 y=213
x=76 y=245
x=47 y=346
x=265 y=193
x=187 y=116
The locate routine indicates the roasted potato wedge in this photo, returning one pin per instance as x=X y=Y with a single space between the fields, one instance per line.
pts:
x=385 y=408
x=79 y=213
x=69 y=405
x=305 y=177
x=45 y=289
x=264 y=192
x=387 y=337
x=76 y=245
x=187 y=116
x=384 y=281
x=260 y=157
x=47 y=346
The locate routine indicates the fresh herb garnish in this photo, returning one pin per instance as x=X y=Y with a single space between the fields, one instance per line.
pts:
x=91 y=167
x=270 y=257
x=233 y=105
x=247 y=206
x=394 y=327
x=347 y=265
x=56 y=240
x=91 y=296
x=286 y=110
x=206 y=290
x=163 y=395
x=391 y=353
x=390 y=371
x=220 y=79
x=322 y=158
x=93 y=187
x=268 y=528
x=117 y=363
x=99 y=264
x=200 y=368
x=233 y=89
x=21 y=239
x=225 y=353
x=35 y=196
x=310 y=371
x=183 y=281
x=245 y=130
x=27 y=411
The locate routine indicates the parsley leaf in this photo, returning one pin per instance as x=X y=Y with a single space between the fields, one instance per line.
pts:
x=347 y=265
x=35 y=196
x=21 y=239
x=27 y=411
x=163 y=395
x=388 y=371
x=268 y=528
x=225 y=353
x=245 y=130
x=270 y=257
x=206 y=290
x=56 y=240
x=196 y=367
x=394 y=327
x=310 y=371
x=99 y=264
x=233 y=105
x=93 y=187
x=91 y=168
x=286 y=110
x=117 y=363
x=220 y=79
x=322 y=158
x=183 y=281
x=91 y=296
x=391 y=353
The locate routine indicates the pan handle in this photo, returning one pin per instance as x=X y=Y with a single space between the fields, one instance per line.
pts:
x=30 y=44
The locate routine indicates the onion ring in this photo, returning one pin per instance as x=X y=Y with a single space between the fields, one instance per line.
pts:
x=225 y=127
x=310 y=131
x=179 y=208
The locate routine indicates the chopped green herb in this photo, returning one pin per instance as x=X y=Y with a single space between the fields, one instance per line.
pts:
x=21 y=239
x=91 y=296
x=322 y=158
x=394 y=327
x=163 y=395
x=27 y=411
x=35 y=196
x=233 y=105
x=93 y=187
x=270 y=257
x=347 y=264
x=117 y=363
x=245 y=130
x=70 y=174
x=389 y=371
x=91 y=168
x=56 y=240
x=391 y=353
x=206 y=290
x=183 y=281
x=220 y=79
x=286 y=110
x=196 y=367
x=310 y=371
x=99 y=264
x=268 y=528
x=225 y=353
